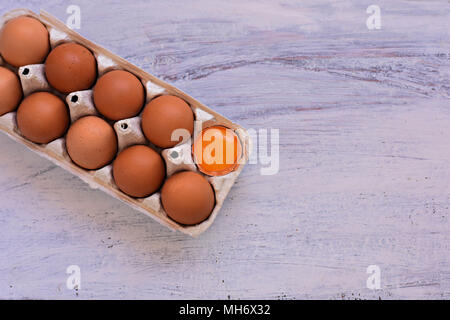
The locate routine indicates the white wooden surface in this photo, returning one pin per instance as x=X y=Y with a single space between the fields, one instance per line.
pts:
x=364 y=174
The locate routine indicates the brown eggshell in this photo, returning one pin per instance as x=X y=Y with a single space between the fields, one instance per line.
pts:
x=138 y=171
x=119 y=95
x=187 y=197
x=162 y=116
x=91 y=142
x=24 y=40
x=10 y=91
x=42 y=117
x=71 y=67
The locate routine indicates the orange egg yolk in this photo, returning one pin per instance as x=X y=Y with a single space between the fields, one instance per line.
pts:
x=217 y=151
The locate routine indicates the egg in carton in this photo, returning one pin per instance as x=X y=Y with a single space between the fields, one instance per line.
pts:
x=128 y=131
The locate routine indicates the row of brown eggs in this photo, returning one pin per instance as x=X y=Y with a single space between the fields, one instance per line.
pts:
x=91 y=142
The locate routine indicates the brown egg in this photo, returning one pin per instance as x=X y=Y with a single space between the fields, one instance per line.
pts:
x=42 y=117
x=162 y=116
x=139 y=171
x=10 y=91
x=187 y=197
x=91 y=142
x=119 y=95
x=70 y=67
x=23 y=41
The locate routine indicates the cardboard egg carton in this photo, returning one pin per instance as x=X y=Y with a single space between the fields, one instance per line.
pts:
x=128 y=131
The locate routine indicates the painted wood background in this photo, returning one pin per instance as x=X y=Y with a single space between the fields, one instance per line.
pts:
x=364 y=173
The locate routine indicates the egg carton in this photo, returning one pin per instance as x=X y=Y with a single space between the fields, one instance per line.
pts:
x=128 y=131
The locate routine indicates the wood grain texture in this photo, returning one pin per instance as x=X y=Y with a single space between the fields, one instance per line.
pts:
x=364 y=158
